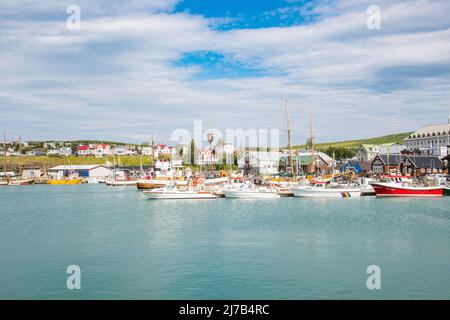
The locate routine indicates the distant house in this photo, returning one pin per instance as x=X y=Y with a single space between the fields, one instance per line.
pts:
x=65 y=152
x=206 y=157
x=121 y=151
x=34 y=153
x=146 y=151
x=368 y=152
x=101 y=150
x=163 y=149
x=53 y=152
x=260 y=162
x=384 y=163
x=422 y=165
x=84 y=150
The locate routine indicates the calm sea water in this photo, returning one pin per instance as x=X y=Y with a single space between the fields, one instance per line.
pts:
x=289 y=248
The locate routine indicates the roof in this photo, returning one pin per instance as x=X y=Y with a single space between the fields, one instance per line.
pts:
x=83 y=148
x=102 y=146
x=265 y=155
x=76 y=167
x=393 y=159
x=425 y=161
x=439 y=128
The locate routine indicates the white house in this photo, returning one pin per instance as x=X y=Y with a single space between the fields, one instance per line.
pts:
x=368 y=152
x=101 y=150
x=65 y=152
x=53 y=152
x=146 y=151
x=168 y=169
x=206 y=157
x=260 y=162
x=431 y=140
x=85 y=171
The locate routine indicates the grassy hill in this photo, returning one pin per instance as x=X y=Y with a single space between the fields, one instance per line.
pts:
x=354 y=144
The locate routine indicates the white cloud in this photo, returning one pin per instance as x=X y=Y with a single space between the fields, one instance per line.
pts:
x=116 y=77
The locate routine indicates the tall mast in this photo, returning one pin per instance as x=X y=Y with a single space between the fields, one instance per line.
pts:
x=20 y=155
x=289 y=132
x=4 y=155
x=311 y=141
x=153 y=158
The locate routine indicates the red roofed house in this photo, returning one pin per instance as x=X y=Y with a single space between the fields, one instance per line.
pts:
x=163 y=149
x=83 y=151
x=101 y=150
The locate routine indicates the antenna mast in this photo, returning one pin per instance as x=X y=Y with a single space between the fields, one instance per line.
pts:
x=311 y=142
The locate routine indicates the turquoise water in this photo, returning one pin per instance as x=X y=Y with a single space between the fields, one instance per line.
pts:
x=289 y=248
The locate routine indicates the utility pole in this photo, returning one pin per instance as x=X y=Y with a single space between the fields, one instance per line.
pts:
x=289 y=132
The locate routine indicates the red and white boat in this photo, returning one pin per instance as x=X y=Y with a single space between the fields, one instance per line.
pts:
x=401 y=186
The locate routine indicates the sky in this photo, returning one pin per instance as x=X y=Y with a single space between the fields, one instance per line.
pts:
x=140 y=67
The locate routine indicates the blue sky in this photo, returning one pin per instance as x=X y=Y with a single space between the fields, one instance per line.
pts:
x=142 y=66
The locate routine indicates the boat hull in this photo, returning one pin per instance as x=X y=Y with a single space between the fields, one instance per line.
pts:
x=125 y=183
x=179 y=195
x=326 y=193
x=155 y=184
x=24 y=182
x=59 y=182
x=392 y=190
x=249 y=194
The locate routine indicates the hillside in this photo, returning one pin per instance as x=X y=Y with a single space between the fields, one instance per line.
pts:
x=354 y=144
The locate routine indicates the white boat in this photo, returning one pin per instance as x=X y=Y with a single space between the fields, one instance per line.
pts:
x=3 y=183
x=249 y=192
x=121 y=183
x=172 y=192
x=21 y=182
x=322 y=190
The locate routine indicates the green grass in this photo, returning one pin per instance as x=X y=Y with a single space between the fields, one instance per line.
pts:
x=354 y=144
x=39 y=161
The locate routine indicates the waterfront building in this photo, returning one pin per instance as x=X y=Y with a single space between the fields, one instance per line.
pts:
x=34 y=153
x=307 y=161
x=422 y=165
x=260 y=162
x=146 y=151
x=30 y=173
x=84 y=171
x=358 y=167
x=387 y=163
x=430 y=140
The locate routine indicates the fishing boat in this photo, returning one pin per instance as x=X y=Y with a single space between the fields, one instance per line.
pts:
x=386 y=189
x=21 y=182
x=121 y=183
x=323 y=189
x=246 y=191
x=172 y=192
x=148 y=183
